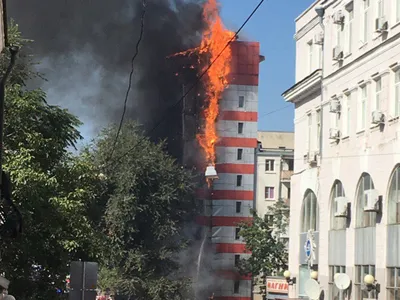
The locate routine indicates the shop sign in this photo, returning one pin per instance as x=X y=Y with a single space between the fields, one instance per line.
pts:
x=277 y=285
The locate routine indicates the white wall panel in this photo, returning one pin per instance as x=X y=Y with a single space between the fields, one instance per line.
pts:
x=225 y=234
x=227 y=181
x=228 y=155
x=226 y=261
x=231 y=98
x=225 y=208
x=230 y=129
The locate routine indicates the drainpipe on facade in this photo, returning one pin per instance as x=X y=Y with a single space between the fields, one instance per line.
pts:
x=321 y=12
x=280 y=178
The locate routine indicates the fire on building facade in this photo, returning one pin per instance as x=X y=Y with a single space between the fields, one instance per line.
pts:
x=228 y=200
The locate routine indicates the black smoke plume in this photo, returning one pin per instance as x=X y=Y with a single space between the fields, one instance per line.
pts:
x=85 y=49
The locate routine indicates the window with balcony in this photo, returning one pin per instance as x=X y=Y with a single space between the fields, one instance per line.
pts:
x=394 y=198
x=269 y=192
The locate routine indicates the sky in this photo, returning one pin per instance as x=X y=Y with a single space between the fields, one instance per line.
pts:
x=273 y=26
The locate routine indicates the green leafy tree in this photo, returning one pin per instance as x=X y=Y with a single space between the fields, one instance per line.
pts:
x=281 y=212
x=55 y=191
x=150 y=203
x=268 y=253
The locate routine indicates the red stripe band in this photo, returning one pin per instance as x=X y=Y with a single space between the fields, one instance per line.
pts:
x=222 y=221
x=231 y=248
x=235 y=168
x=247 y=116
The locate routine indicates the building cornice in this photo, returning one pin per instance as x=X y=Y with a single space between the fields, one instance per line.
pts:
x=304 y=88
x=306 y=28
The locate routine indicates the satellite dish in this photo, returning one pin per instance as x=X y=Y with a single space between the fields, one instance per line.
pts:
x=342 y=281
x=312 y=289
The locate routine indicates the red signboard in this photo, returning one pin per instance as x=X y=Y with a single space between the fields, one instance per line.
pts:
x=277 y=285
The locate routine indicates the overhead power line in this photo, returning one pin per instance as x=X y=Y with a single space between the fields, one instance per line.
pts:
x=167 y=115
x=130 y=76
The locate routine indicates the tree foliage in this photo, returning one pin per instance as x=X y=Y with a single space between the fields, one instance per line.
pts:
x=54 y=190
x=126 y=212
x=268 y=252
x=150 y=202
x=281 y=213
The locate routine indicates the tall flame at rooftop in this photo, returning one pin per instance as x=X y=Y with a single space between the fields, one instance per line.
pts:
x=214 y=39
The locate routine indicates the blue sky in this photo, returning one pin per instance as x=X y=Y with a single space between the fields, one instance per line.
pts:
x=273 y=26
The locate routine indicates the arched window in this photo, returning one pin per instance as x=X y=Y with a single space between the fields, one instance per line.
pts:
x=309 y=212
x=394 y=198
x=337 y=191
x=364 y=219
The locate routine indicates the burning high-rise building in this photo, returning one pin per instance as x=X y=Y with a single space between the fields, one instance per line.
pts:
x=229 y=198
x=226 y=139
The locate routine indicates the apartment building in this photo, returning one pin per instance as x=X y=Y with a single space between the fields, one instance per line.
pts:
x=345 y=191
x=274 y=168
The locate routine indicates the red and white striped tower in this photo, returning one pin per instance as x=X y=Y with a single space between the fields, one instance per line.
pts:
x=232 y=195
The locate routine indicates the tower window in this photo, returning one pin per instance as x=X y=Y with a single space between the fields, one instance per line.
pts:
x=239 y=154
x=239 y=180
x=241 y=101
x=240 y=128
x=238 y=207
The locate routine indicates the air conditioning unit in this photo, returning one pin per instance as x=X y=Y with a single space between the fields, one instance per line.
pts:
x=306 y=157
x=334 y=134
x=319 y=38
x=312 y=158
x=338 y=17
x=381 y=25
x=334 y=105
x=341 y=207
x=337 y=53
x=371 y=201
x=378 y=117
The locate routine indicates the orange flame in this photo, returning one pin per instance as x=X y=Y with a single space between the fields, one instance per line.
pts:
x=214 y=40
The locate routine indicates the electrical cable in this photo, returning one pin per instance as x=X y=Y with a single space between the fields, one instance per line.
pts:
x=274 y=111
x=193 y=85
x=130 y=76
